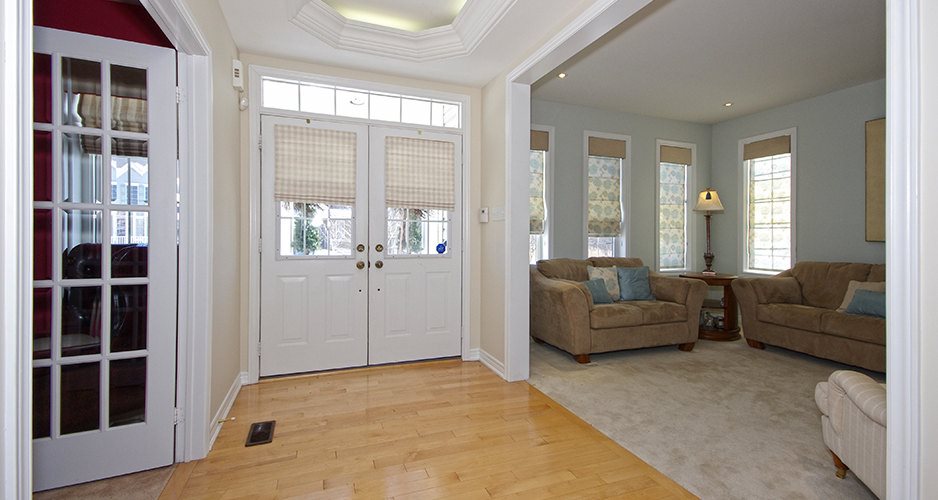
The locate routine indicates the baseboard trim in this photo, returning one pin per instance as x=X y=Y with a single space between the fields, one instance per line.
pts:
x=225 y=407
x=492 y=363
x=472 y=355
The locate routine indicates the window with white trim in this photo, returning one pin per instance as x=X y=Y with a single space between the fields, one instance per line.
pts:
x=309 y=97
x=604 y=219
x=537 y=196
x=674 y=166
x=768 y=190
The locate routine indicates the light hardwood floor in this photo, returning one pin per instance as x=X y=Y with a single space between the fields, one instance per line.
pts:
x=443 y=429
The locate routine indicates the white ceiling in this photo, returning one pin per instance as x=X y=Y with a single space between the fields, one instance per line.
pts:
x=410 y=15
x=683 y=59
x=269 y=28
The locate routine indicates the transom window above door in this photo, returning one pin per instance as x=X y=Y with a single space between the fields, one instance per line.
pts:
x=308 y=97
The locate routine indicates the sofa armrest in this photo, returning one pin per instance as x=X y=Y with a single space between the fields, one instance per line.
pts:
x=670 y=288
x=864 y=393
x=746 y=298
x=560 y=313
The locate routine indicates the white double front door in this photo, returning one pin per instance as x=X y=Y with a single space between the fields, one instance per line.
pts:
x=360 y=245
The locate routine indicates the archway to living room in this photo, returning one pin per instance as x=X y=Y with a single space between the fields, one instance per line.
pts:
x=543 y=67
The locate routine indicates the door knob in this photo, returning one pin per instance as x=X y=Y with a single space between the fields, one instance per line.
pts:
x=379 y=264
x=379 y=247
x=360 y=247
x=360 y=265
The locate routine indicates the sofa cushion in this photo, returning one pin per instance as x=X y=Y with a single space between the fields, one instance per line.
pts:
x=868 y=303
x=635 y=313
x=657 y=312
x=609 y=276
x=777 y=290
x=633 y=283
x=615 y=315
x=823 y=284
x=615 y=261
x=851 y=326
x=597 y=288
x=564 y=269
x=853 y=286
x=792 y=315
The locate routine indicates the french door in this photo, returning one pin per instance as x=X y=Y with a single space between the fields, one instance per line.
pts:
x=360 y=245
x=104 y=195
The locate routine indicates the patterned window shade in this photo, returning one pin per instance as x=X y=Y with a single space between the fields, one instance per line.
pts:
x=314 y=165
x=536 y=195
x=128 y=114
x=605 y=207
x=672 y=211
x=420 y=173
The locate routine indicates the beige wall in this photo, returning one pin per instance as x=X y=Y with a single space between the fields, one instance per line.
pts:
x=493 y=233
x=226 y=270
x=475 y=162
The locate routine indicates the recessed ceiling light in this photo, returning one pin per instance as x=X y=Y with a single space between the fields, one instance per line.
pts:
x=562 y=76
x=727 y=104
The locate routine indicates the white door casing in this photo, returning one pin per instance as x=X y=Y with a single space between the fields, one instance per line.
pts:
x=415 y=299
x=313 y=308
x=115 y=447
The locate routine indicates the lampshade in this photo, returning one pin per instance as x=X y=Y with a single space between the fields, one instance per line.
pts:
x=708 y=201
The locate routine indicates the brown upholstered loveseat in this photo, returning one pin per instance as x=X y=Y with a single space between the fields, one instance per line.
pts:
x=563 y=313
x=797 y=310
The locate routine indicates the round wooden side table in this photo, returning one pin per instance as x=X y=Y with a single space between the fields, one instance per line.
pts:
x=730 y=329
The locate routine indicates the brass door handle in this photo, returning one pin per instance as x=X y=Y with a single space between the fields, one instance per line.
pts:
x=379 y=247
x=360 y=265
x=379 y=264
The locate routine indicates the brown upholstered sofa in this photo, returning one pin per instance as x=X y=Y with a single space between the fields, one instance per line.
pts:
x=797 y=310
x=563 y=313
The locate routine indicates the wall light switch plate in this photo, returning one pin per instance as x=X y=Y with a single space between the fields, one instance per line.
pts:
x=498 y=213
x=484 y=214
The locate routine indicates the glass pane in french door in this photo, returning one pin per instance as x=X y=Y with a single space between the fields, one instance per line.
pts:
x=91 y=221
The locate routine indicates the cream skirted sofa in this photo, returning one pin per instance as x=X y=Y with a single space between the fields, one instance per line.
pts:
x=853 y=422
x=797 y=310
x=563 y=313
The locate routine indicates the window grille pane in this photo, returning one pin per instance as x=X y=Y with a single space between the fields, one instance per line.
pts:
x=387 y=108
x=415 y=111
x=281 y=95
x=317 y=99
x=672 y=215
x=315 y=229
x=350 y=103
x=769 y=213
x=601 y=246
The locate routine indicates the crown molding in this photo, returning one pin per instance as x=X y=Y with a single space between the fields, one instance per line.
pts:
x=460 y=38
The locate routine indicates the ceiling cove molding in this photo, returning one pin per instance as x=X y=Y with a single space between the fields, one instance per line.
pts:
x=460 y=38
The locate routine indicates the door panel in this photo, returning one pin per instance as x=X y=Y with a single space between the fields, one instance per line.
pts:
x=313 y=297
x=415 y=294
x=105 y=205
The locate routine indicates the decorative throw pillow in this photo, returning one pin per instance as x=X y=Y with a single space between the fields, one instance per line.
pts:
x=597 y=288
x=875 y=286
x=608 y=275
x=868 y=303
x=634 y=284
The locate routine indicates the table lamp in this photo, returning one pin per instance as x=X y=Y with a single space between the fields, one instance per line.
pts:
x=708 y=202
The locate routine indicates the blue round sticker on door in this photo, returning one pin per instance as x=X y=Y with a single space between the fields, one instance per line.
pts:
x=441 y=248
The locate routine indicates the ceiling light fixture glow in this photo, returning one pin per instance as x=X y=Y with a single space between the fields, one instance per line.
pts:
x=379 y=19
x=727 y=104
x=562 y=76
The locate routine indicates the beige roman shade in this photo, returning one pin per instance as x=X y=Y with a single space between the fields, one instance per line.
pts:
x=540 y=140
x=676 y=155
x=314 y=165
x=767 y=147
x=420 y=173
x=604 y=214
x=610 y=148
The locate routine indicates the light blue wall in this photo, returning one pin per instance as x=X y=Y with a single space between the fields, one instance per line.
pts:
x=830 y=175
x=566 y=224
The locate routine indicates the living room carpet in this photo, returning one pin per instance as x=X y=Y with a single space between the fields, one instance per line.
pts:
x=725 y=421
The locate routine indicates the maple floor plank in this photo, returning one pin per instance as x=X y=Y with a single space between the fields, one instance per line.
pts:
x=442 y=429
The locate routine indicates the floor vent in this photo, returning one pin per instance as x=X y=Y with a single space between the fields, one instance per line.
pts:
x=260 y=433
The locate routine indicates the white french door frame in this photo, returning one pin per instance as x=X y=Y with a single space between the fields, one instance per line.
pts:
x=255 y=110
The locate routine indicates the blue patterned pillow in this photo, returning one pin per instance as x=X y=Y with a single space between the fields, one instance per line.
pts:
x=634 y=284
x=597 y=288
x=868 y=303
